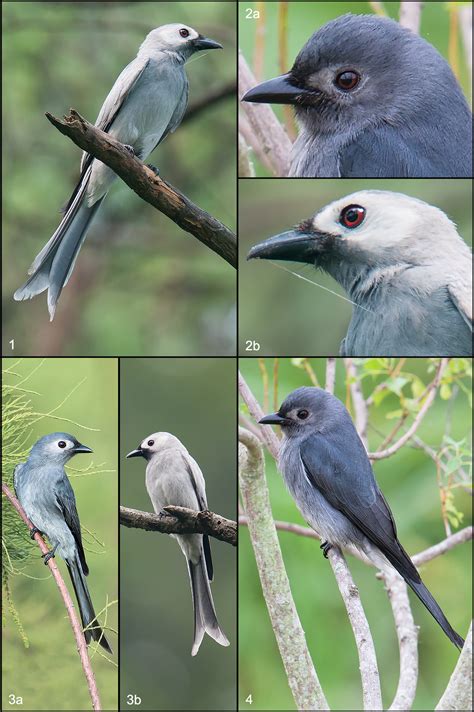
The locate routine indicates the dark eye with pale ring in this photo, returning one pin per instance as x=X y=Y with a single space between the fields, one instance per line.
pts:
x=150 y=443
x=352 y=216
x=184 y=32
x=302 y=414
x=347 y=80
x=61 y=444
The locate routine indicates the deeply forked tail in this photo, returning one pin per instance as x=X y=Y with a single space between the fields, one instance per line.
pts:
x=92 y=629
x=53 y=266
x=205 y=618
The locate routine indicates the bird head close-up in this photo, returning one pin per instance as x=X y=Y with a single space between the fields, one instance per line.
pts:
x=58 y=446
x=305 y=410
x=180 y=39
x=153 y=444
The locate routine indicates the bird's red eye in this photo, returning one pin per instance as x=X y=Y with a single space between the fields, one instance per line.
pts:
x=184 y=32
x=352 y=216
x=347 y=80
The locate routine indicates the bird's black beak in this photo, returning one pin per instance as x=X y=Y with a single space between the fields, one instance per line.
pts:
x=136 y=453
x=205 y=43
x=276 y=91
x=272 y=419
x=291 y=246
x=81 y=448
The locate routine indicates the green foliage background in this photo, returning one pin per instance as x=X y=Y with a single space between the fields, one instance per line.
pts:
x=48 y=674
x=304 y=18
x=408 y=480
x=141 y=285
x=195 y=399
x=304 y=318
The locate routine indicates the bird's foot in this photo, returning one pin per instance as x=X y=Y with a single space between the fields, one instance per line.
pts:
x=325 y=546
x=153 y=168
x=34 y=531
x=50 y=555
x=129 y=148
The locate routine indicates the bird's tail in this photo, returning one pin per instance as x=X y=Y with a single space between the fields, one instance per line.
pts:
x=92 y=630
x=427 y=599
x=53 y=266
x=205 y=619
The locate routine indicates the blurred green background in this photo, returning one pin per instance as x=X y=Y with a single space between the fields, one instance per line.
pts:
x=285 y=314
x=408 y=480
x=48 y=674
x=437 y=27
x=141 y=284
x=195 y=400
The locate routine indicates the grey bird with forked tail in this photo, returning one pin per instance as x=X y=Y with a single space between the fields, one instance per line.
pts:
x=146 y=103
x=173 y=477
x=46 y=495
x=329 y=475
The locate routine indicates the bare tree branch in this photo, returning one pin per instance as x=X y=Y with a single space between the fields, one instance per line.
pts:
x=449 y=543
x=180 y=520
x=431 y=394
x=268 y=435
x=407 y=634
x=272 y=138
x=150 y=187
x=369 y=673
x=458 y=693
x=330 y=374
x=289 y=633
x=361 y=415
x=410 y=15
x=73 y=619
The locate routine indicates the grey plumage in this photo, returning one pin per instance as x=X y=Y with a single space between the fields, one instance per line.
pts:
x=173 y=477
x=146 y=103
x=402 y=263
x=327 y=471
x=405 y=115
x=45 y=493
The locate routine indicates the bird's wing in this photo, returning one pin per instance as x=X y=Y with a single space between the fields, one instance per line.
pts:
x=462 y=301
x=342 y=473
x=116 y=99
x=378 y=153
x=67 y=504
x=177 y=116
x=16 y=475
x=197 y=481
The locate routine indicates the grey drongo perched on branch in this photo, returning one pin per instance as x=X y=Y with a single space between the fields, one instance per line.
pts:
x=329 y=475
x=146 y=103
x=173 y=477
x=403 y=265
x=373 y=99
x=46 y=495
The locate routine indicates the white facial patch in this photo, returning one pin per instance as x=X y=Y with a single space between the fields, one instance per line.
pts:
x=56 y=446
x=390 y=219
x=156 y=441
x=174 y=35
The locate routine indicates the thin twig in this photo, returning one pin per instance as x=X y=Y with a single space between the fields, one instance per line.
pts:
x=76 y=626
x=180 y=520
x=272 y=139
x=246 y=169
x=431 y=394
x=289 y=633
x=150 y=187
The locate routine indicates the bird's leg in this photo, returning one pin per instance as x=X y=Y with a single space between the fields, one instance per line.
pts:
x=50 y=554
x=34 y=531
x=153 y=168
x=325 y=546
